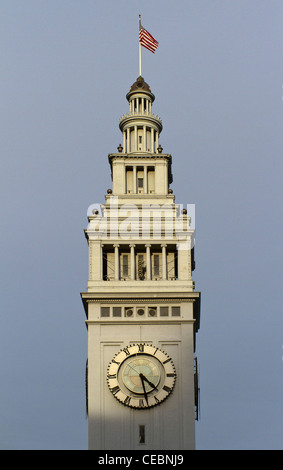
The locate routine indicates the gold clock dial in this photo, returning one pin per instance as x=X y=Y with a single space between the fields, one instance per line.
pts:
x=141 y=376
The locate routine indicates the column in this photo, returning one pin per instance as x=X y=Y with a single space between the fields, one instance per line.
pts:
x=132 y=262
x=148 y=263
x=124 y=142
x=128 y=140
x=152 y=140
x=135 y=179
x=101 y=261
x=145 y=179
x=156 y=142
x=144 y=138
x=164 y=263
x=136 y=139
x=166 y=177
x=117 y=277
x=91 y=260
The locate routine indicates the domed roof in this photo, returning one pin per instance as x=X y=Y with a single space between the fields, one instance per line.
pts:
x=140 y=86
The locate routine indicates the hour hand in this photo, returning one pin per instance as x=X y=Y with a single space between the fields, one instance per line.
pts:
x=148 y=381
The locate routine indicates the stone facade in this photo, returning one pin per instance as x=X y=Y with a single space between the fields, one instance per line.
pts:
x=141 y=296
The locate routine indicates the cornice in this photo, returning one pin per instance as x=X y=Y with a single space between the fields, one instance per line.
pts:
x=139 y=301
x=139 y=155
x=124 y=321
x=139 y=298
x=131 y=119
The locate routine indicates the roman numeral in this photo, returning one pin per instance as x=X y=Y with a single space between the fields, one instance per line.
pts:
x=126 y=351
x=111 y=376
x=167 y=360
x=127 y=400
x=115 y=389
x=113 y=360
x=171 y=374
x=141 y=347
x=167 y=389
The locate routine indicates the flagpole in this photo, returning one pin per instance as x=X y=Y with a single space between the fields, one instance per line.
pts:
x=139 y=47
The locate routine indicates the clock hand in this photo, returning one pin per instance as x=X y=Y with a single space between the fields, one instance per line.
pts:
x=148 y=381
x=143 y=386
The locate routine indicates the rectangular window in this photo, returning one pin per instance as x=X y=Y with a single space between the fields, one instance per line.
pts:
x=105 y=311
x=140 y=267
x=140 y=139
x=109 y=266
x=140 y=182
x=117 y=311
x=151 y=180
x=129 y=180
x=171 y=265
x=125 y=265
x=156 y=265
x=176 y=311
x=141 y=434
x=164 y=311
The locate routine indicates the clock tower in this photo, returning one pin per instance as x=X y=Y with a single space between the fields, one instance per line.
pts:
x=142 y=310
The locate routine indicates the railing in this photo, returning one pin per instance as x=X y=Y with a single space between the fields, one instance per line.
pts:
x=135 y=113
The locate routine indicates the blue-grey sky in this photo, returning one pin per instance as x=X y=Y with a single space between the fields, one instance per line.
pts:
x=66 y=66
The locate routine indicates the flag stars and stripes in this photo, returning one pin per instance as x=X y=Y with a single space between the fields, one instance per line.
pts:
x=147 y=40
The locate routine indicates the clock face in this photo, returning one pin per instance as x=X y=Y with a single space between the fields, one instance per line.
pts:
x=141 y=376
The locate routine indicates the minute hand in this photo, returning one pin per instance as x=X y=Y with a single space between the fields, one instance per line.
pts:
x=142 y=377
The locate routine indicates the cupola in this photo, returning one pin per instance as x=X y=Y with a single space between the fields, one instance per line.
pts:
x=140 y=127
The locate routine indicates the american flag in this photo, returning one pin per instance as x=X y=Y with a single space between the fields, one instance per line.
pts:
x=147 y=40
